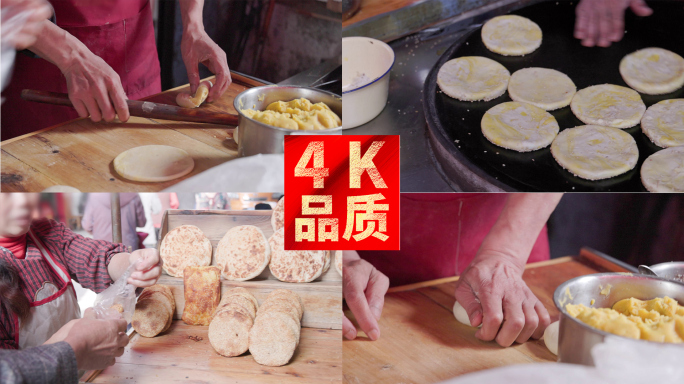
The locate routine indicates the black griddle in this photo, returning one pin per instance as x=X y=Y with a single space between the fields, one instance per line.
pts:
x=456 y=124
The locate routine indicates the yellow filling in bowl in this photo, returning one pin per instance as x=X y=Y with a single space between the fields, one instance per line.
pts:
x=660 y=319
x=298 y=114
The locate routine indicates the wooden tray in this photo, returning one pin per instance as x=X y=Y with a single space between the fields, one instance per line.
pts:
x=79 y=153
x=184 y=353
x=421 y=341
x=322 y=298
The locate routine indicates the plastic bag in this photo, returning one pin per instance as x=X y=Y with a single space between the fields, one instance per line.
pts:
x=117 y=300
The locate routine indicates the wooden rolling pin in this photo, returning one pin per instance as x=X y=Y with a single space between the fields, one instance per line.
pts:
x=146 y=109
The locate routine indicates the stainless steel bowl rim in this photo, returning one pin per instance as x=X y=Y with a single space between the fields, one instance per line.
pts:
x=561 y=291
x=284 y=130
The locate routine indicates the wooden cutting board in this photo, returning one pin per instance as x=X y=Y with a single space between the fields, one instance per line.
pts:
x=322 y=298
x=79 y=153
x=184 y=355
x=422 y=342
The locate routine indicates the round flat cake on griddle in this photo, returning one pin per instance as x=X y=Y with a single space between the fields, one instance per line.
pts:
x=243 y=253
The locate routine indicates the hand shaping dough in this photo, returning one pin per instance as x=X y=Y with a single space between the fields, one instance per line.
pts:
x=473 y=78
x=663 y=171
x=542 y=87
x=187 y=101
x=653 y=71
x=663 y=123
x=551 y=337
x=521 y=127
x=594 y=153
x=153 y=163
x=511 y=35
x=608 y=105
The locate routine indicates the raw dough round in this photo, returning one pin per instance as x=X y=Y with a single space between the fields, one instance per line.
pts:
x=60 y=189
x=593 y=152
x=551 y=337
x=461 y=314
x=663 y=171
x=653 y=71
x=153 y=163
x=511 y=35
x=521 y=127
x=542 y=87
x=608 y=105
x=663 y=123
x=473 y=78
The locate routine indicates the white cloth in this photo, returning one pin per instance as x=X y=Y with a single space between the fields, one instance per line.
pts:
x=47 y=318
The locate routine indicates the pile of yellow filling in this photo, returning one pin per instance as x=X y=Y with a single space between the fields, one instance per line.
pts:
x=660 y=319
x=298 y=114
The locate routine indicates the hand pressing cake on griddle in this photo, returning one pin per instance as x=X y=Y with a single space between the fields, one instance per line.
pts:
x=275 y=335
x=183 y=247
x=243 y=253
x=608 y=105
x=154 y=311
x=511 y=35
x=545 y=88
x=294 y=266
x=593 y=152
x=663 y=123
x=232 y=322
x=653 y=71
x=473 y=78
x=663 y=171
x=202 y=288
x=521 y=127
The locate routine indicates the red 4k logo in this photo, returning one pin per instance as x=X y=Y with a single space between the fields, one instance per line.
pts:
x=342 y=192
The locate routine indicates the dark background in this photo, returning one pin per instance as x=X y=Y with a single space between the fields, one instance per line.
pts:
x=635 y=228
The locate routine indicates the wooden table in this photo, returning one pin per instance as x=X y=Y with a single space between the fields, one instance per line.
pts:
x=79 y=153
x=422 y=342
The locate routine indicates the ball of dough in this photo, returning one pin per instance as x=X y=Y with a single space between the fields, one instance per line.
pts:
x=653 y=71
x=551 y=337
x=663 y=171
x=153 y=163
x=608 y=105
x=593 y=152
x=545 y=88
x=473 y=78
x=511 y=35
x=663 y=123
x=461 y=314
x=521 y=127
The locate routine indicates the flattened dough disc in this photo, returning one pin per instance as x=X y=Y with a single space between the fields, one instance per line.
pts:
x=511 y=35
x=551 y=337
x=521 y=127
x=608 y=105
x=153 y=163
x=545 y=88
x=663 y=123
x=473 y=78
x=593 y=152
x=653 y=71
x=663 y=171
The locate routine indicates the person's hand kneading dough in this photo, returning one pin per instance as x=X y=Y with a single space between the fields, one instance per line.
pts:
x=492 y=290
x=364 y=289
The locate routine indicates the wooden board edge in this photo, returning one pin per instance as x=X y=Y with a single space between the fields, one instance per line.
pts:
x=430 y=283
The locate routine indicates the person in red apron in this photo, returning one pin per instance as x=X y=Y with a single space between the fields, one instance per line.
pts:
x=38 y=260
x=486 y=239
x=102 y=52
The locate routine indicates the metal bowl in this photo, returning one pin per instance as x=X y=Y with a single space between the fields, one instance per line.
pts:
x=673 y=270
x=254 y=137
x=576 y=339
